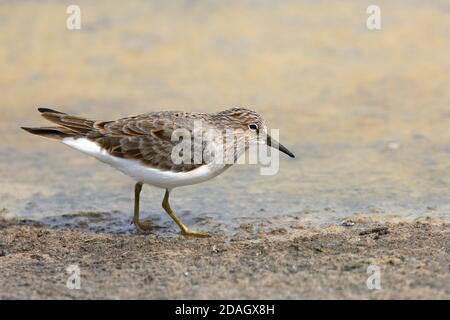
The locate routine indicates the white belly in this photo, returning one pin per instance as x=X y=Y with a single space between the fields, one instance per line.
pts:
x=141 y=173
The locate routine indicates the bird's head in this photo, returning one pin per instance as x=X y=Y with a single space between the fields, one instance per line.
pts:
x=254 y=128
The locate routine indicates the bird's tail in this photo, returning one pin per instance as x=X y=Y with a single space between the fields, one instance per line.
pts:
x=57 y=133
x=68 y=126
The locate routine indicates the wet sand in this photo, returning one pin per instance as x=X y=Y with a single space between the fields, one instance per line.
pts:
x=257 y=262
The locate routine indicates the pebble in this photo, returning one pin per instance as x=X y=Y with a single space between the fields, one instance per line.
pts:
x=348 y=223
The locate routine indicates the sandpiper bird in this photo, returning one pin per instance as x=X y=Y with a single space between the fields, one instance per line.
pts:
x=141 y=147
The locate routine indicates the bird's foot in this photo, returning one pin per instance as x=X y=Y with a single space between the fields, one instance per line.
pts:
x=143 y=226
x=193 y=233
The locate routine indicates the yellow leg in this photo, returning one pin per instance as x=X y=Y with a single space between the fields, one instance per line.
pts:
x=140 y=226
x=184 y=230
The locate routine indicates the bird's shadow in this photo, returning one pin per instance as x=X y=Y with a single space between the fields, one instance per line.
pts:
x=114 y=222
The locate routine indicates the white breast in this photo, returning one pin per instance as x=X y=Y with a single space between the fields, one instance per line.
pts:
x=139 y=172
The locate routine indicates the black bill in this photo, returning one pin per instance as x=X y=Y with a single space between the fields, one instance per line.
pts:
x=275 y=144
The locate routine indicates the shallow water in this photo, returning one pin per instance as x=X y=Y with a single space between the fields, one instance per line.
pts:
x=366 y=113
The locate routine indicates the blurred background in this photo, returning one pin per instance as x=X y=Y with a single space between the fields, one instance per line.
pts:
x=367 y=113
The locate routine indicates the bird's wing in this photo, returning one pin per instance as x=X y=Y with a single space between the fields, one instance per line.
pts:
x=147 y=138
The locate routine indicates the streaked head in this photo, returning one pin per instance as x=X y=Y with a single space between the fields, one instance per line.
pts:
x=253 y=126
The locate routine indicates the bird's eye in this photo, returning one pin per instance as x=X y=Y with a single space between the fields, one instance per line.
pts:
x=253 y=127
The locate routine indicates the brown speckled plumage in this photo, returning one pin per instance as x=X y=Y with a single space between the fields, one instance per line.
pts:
x=147 y=137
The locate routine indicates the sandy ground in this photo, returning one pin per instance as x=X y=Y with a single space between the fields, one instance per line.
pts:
x=258 y=262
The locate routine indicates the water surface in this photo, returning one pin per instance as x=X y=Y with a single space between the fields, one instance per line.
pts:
x=366 y=113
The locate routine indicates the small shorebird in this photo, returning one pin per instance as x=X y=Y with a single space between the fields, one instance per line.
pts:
x=141 y=147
